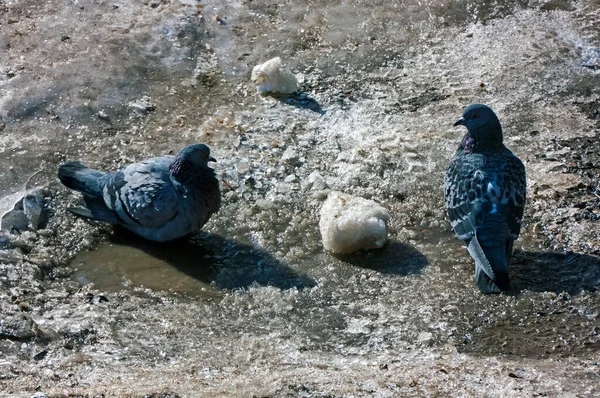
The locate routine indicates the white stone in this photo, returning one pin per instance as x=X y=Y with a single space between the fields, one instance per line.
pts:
x=315 y=181
x=270 y=78
x=242 y=166
x=290 y=178
x=282 y=188
x=264 y=204
x=424 y=337
x=290 y=155
x=350 y=223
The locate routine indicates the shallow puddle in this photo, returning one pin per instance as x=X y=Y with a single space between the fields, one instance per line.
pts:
x=201 y=267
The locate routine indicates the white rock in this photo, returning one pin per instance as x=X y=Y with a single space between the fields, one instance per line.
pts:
x=270 y=78
x=350 y=223
x=290 y=155
x=242 y=166
x=290 y=178
x=424 y=337
x=315 y=181
x=264 y=204
x=282 y=188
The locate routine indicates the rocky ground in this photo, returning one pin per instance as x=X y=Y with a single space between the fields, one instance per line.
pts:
x=269 y=313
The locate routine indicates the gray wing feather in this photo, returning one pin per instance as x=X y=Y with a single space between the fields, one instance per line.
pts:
x=144 y=193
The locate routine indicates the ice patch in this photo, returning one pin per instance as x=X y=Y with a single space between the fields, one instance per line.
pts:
x=270 y=78
x=350 y=223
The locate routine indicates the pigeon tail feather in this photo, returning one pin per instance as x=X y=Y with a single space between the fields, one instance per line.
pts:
x=484 y=283
x=481 y=261
x=491 y=266
x=81 y=178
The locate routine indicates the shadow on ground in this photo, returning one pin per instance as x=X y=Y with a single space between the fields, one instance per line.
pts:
x=394 y=258
x=537 y=325
x=180 y=265
x=302 y=101
x=554 y=272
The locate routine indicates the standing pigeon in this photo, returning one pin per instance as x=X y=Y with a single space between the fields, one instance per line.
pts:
x=484 y=189
x=159 y=199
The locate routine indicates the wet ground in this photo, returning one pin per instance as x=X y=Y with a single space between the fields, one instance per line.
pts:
x=254 y=307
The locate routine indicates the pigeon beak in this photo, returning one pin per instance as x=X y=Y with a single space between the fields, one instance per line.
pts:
x=211 y=159
x=460 y=122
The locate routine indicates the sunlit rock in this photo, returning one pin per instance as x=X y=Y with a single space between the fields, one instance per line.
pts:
x=270 y=78
x=243 y=166
x=351 y=223
x=290 y=178
x=290 y=156
x=29 y=213
x=143 y=105
x=315 y=181
x=425 y=337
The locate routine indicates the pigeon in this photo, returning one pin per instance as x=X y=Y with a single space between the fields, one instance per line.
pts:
x=160 y=199
x=484 y=191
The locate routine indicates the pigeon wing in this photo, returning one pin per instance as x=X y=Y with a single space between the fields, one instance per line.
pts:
x=513 y=192
x=466 y=203
x=144 y=193
x=464 y=195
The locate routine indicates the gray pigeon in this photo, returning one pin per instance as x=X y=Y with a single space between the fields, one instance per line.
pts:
x=484 y=189
x=160 y=199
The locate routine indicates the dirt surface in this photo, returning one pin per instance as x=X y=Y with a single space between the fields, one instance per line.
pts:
x=254 y=306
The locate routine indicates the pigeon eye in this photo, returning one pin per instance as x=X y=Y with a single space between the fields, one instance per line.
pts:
x=475 y=116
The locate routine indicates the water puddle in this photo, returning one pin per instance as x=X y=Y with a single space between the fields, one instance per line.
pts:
x=201 y=267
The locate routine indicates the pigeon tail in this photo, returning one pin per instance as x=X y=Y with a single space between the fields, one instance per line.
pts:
x=491 y=267
x=81 y=178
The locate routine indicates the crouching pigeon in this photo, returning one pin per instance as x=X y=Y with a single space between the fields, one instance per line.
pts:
x=160 y=199
x=484 y=189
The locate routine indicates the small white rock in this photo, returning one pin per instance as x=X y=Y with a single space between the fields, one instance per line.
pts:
x=242 y=166
x=290 y=155
x=350 y=223
x=315 y=181
x=264 y=204
x=290 y=178
x=143 y=104
x=424 y=337
x=270 y=78
x=282 y=188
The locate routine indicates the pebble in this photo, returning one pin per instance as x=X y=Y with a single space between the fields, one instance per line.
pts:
x=424 y=337
x=243 y=166
x=290 y=178
x=289 y=156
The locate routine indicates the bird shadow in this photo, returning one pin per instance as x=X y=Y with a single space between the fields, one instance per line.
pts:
x=556 y=272
x=302 y=101
x=208 y=258
x=394 y=258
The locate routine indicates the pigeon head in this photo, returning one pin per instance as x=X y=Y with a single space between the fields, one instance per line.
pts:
x=483 y=126
x=190 y=162
x=198 y=154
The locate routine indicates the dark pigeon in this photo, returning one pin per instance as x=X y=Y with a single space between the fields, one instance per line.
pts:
x=484 y=189
x=160 y=199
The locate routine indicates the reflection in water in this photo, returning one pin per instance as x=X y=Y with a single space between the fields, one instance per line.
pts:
x=198 y=266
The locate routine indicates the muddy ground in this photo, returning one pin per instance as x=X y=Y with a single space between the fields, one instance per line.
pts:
x=254 y=307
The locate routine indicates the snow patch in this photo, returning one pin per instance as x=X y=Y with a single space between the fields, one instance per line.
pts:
x=350 y=223
x=270 y=78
